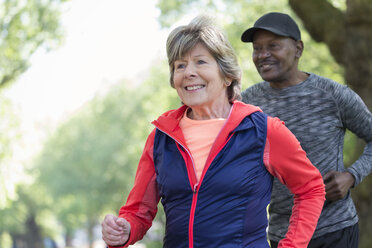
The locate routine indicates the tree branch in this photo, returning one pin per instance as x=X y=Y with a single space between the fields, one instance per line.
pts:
x=324 y=22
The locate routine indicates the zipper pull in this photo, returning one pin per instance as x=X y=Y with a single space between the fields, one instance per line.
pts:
x=195 y=186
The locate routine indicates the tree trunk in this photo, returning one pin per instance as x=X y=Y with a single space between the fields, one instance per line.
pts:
x=68 y=238
x=358 y=52
x=358 y=75
x=348 y=36
x=91 y=224
x=33 y=235
x=363 y=201
x=18 y=241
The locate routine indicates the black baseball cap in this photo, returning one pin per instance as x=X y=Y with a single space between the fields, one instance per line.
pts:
x=274 y=22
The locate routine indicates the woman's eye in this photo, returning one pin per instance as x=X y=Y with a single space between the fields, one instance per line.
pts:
x=180 y=66
x=201 y=62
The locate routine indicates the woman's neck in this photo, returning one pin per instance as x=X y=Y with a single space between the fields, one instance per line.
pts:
x=207 y=113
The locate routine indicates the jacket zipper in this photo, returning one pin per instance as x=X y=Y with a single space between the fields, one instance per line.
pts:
x=206 y=162
x=196 y=185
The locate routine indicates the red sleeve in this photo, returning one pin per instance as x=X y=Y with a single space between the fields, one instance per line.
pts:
x=141 y=206
x=285 y=159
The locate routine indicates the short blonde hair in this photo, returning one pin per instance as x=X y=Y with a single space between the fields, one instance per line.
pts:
x=202 y=30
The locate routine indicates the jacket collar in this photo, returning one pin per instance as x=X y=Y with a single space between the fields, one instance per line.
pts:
x=169 y=121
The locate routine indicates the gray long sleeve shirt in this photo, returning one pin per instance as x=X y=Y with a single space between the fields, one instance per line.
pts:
x=317 y=111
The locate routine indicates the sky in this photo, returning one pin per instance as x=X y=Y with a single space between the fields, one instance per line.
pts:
x=105 y=41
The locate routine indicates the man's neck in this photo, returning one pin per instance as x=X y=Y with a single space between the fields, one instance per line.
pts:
x=299 y=77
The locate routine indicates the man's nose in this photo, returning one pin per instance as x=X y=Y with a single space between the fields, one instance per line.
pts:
x=264 y=53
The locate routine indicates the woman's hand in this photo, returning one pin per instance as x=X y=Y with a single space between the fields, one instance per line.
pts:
x=115 y=231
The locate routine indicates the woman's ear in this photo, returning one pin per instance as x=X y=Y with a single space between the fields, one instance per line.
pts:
x=228 y=82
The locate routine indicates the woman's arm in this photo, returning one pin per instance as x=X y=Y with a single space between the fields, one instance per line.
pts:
x=141 y=206
x=285 y=159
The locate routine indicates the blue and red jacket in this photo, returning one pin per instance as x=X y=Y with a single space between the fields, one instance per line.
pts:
x=227 y=206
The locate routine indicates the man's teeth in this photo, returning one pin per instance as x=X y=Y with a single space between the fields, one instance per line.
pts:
x=265 y=66
x=194 y=87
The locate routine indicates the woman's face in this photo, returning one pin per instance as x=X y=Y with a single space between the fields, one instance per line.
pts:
x=198 y=80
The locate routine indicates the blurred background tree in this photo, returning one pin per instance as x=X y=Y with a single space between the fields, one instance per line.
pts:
x=25 y=26
x=8 y=136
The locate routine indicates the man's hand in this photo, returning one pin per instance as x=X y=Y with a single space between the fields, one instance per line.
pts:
x=337 y=184
x=115 y=231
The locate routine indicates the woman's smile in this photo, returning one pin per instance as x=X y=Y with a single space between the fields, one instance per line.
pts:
x=194 y=87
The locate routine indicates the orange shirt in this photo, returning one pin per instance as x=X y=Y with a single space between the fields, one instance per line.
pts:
x=200 y=136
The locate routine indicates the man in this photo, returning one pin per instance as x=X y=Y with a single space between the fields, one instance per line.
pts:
x=318 y=111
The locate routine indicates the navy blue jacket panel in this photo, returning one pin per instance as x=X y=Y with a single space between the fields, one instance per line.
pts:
x=228 y=209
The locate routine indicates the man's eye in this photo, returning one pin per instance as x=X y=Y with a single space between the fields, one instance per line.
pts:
x=201 y=62
x=274 y=45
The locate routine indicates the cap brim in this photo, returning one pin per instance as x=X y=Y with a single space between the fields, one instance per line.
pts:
x=247 y=36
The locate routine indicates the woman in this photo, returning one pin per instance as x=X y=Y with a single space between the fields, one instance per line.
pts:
x=212 y=160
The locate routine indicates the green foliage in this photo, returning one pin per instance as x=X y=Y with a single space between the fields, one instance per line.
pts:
x=5 y=240
x=29 y=201
x=340 y=4
x=170 y=10
x=24 y=27
x=90 y=157
x=10 y=123
x=9 y=135
x=88 y=165
x=157 y=94
x=349 y=145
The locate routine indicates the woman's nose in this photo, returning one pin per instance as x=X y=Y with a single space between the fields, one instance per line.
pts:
x=190 y=70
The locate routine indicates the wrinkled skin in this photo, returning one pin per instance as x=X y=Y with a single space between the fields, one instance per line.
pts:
x=115 y=230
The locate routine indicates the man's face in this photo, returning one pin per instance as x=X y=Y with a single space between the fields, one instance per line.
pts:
x=276 y=57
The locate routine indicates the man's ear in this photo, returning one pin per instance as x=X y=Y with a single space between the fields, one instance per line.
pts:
x=299 y=48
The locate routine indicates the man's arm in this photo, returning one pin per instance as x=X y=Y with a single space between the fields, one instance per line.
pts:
x=357 y=118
